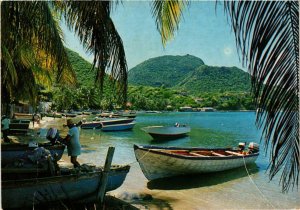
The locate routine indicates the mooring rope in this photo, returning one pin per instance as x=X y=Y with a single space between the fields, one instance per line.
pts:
x=131 y=163
x=256 y=185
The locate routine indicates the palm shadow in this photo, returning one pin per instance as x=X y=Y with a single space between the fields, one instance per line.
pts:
x=201 y=180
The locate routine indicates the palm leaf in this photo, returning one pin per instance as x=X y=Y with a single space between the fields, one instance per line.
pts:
x=167 y=14
x=28 y=30
x=92 y=23
x=267 y=35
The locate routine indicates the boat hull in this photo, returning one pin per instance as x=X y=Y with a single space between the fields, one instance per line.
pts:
x=81 y=187
x=12 y=152
x=167 y=132
x=117 y=121
x=91 y=125
x=156 y=165
x=117 y=127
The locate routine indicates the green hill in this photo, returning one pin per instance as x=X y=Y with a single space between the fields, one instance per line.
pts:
x=83 y=69
x=189 y=74
x=163 y=71
x=216 y=79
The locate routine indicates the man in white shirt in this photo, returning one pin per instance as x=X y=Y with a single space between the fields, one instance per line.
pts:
x=5 y=128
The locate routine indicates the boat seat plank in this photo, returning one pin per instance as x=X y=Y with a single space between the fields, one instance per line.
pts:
x=164 y=150
x=234 y=153
x=217 y=154
x=197 y=154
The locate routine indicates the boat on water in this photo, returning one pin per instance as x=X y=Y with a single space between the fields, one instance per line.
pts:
x=116 y=121
x=76 y=185
x=91 y=125
x=14 y=152
x=167 y=132
x=118 y=127
x=98 y=122
x=161 y=162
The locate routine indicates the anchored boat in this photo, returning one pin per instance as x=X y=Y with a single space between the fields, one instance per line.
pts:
x=167 y=132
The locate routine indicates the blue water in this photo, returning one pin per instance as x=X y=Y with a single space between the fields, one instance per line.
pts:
x=235 y=189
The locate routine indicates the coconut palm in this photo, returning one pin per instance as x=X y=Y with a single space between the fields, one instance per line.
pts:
x=33 y=52
x=267 y=37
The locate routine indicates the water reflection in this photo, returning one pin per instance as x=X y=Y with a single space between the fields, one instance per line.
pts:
x=201 y=180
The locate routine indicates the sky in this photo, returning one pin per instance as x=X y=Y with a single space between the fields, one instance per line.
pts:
x=204 y=31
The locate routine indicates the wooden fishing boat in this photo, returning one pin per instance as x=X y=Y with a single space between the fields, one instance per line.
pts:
x=13 y=152
x=161 y=162
x=91 y=125
x=76 y=185
x=19 y=126
x=118 y=127
x=167 y=132
x=116 y=121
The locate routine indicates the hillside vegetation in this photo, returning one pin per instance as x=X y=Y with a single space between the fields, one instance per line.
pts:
x=200 y=85
x=83 y=69
x=216 y=79
x=165 y=71
x=190 y=74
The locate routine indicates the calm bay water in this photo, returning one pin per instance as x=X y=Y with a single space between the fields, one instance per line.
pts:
x=233 y=189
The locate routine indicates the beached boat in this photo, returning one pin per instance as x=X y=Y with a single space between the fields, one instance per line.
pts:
x=76 y=185
x=161 y=162
x=91 y=125
x=12 y=152
x=18 y=126
x=167 y=132
x=118 y=127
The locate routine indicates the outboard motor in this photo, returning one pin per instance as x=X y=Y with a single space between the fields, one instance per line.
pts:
x=253 y=147
x=242 y=145
x=53 y=135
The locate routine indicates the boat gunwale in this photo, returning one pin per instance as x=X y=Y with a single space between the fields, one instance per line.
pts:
x=14 y=147
x=136 y=147
x=115 y=125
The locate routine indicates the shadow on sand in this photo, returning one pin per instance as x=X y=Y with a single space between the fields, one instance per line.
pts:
x=201 y=180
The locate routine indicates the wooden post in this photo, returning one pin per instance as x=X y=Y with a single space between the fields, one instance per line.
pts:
x=104 y=178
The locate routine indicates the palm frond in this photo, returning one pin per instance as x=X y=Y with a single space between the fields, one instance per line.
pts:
x=95 y=29
x=267 y=36
x=167 y=14
x=30 y=24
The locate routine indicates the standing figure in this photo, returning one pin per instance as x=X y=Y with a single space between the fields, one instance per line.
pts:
x=73 y=143
x=5 y=128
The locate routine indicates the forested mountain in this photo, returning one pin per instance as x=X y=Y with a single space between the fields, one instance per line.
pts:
x=165 y=71
x=216 y=79
x=224 y=88
x=190 y=74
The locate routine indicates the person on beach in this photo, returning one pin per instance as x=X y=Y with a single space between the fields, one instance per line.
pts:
x=73 y=144
x=5 y=128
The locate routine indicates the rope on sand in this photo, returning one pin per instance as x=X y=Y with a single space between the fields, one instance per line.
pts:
x=256 y=185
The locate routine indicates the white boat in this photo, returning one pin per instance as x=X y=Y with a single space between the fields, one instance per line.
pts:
x=117 y=127
x=161 y=162
x=167 y=132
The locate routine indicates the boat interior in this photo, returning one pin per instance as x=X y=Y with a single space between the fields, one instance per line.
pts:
x=205 y=153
